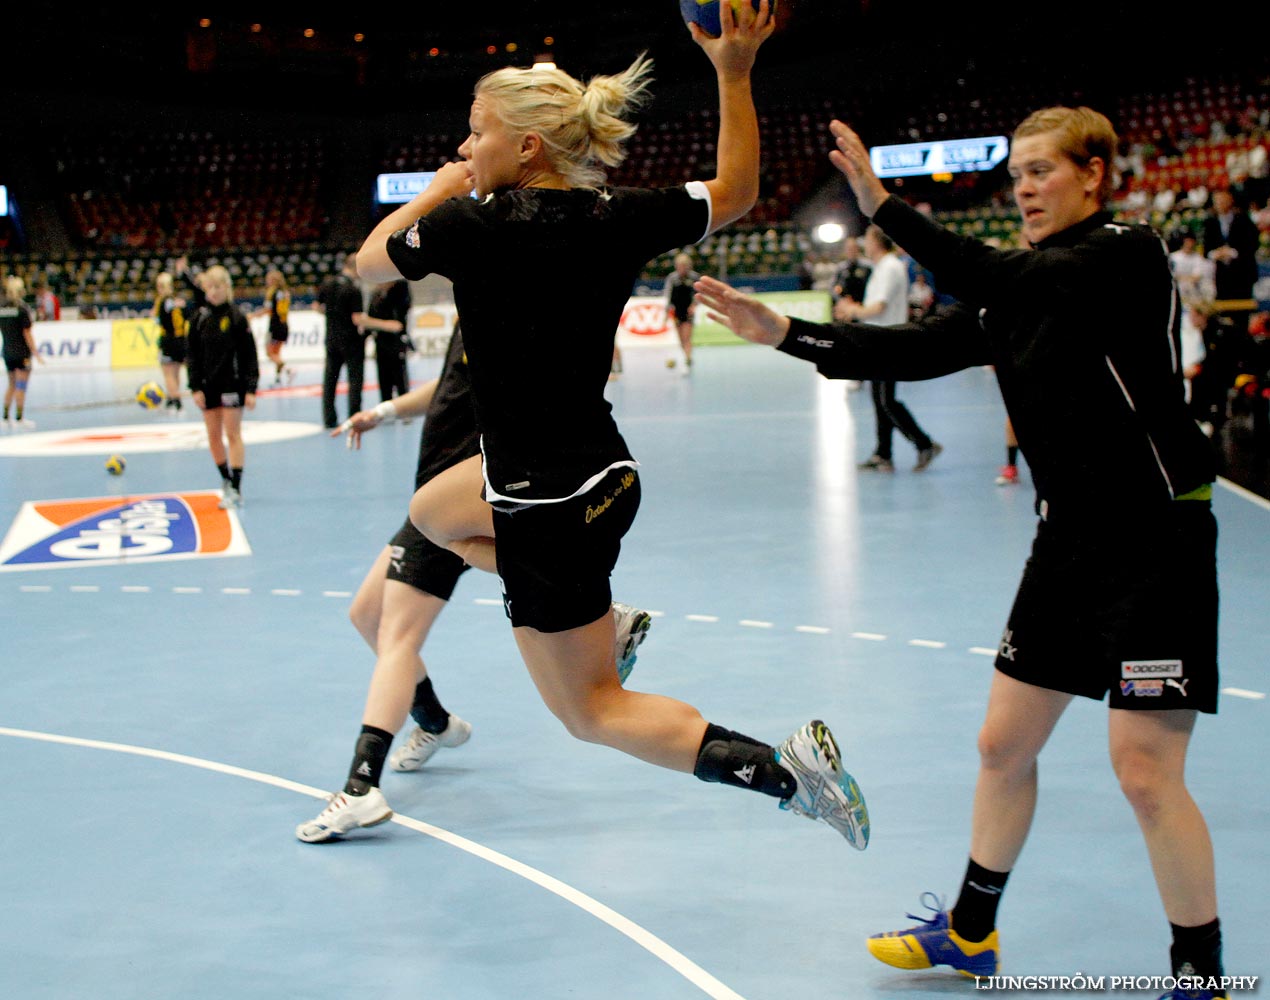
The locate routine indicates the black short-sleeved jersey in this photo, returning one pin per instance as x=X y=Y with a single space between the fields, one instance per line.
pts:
x=391 y=302
x=279 y=308
x=680 y=293
x=539 y=370
x=449 y=430
x=170 y=312
x=341 y=298
x=15 y=320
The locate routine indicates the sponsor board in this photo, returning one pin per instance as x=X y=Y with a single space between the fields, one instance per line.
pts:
x=73 y=343
x=134 y=343
x=644 y=323
x=117 y=531
x=129 y=439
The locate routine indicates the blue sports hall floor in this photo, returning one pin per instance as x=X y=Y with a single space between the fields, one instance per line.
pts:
x=165 y=723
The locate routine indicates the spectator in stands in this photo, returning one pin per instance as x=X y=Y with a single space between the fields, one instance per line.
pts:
x=48 y=307
x=19 y=349
x=1192 y=271
x=1077 y=330
x=556 y=484
x=340 y=299
x=1230 y=241
x=387 y=316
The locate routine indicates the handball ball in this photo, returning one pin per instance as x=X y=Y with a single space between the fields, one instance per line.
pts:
x=115 y=465
x=706 y=13
x=150 y=395
x=670 y=362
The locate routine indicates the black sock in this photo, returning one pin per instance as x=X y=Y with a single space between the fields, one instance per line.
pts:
x=368 y=760
x=224 y=470
x=975 y=914
x=236 y=478
x=1012 y=454
x=1197 y=947
x=427 y=710
x=736 y=759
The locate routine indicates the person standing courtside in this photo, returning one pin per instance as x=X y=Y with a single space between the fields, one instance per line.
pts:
x=886 y=304
x=340 y=300
x=387 y=316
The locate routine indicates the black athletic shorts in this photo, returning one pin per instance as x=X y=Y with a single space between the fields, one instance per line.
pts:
x=1130 y=610
x=421 y=564
x=172 y=350
x=554 y=559
x=216 y=397
x=14 y=363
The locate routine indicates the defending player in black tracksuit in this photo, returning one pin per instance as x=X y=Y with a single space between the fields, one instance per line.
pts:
x=1119 y=598
x=170 y=312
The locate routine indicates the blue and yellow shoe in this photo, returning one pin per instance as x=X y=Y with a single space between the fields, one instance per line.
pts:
x=936 y=943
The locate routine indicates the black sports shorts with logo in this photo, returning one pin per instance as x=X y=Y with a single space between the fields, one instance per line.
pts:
x=172 y=350
x=1129 y=609
x=554 y=559
x=414 y=560
x=219 y=397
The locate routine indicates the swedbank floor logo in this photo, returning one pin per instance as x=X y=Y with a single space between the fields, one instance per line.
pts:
x=115 y=531
x=128 y=439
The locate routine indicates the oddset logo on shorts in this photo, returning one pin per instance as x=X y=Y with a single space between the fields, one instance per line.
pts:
x=104 y=531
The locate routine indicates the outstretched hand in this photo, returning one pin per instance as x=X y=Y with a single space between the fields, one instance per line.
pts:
x=741 y=33
x=743 y=314
x=852 y=160
x=357 y=425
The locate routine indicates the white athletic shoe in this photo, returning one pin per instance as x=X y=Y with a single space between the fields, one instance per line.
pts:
x=345 y=812
x=25 y=424
x=419 y=748
x=632 y=628
x=825 y=790
x=232 y=500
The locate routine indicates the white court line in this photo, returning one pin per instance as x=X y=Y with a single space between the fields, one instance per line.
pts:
x=702 y=618
x=287 y=593
x=812 y=629
x=488 y=601
x=928 y=643
x=187 y=590
x=235 y=590
x=871 y=636
x=85 y=589
x=982 y=651
x=645 y=939
x=1248 y=495
x=751 y=623
x=1244 y=693
x=337 y=593
x=135 y=590
x=30 y=588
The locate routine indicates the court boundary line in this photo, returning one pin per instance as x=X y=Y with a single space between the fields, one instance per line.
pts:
x=650 y=942
x=1242 y=491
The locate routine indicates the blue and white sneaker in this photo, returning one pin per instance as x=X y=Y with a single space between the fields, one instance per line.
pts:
x=934 y=942
x=825 y=790
x=343 y=813
x=632 y=627
x=421 y=744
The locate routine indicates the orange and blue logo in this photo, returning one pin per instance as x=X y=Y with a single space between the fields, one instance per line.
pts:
x=113 y=531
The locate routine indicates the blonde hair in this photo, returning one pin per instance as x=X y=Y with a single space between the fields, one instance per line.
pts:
x=14 y=288
x=1082 y=134
x=163 y=283
x=275 y=279
x=581 y=126
x=218 y=274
